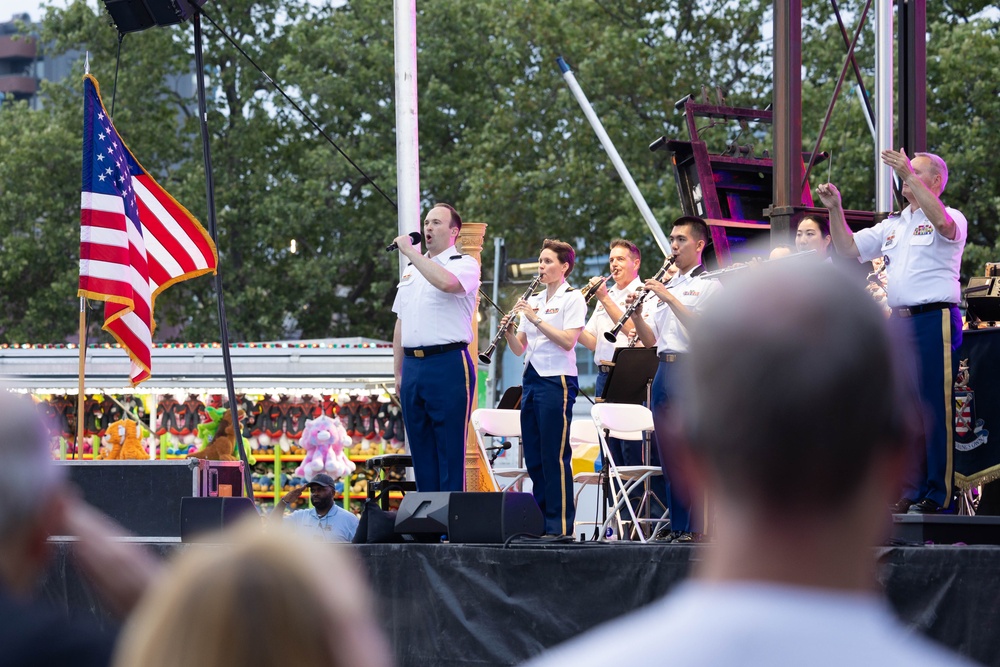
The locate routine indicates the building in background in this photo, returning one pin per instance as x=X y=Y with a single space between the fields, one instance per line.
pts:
x=25 y=63
x=19 y=61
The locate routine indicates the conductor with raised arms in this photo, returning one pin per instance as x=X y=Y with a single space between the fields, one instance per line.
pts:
x=434 y=372
x=922 y=246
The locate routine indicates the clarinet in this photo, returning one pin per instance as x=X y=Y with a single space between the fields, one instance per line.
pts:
x=640 y=296
x=487 y=356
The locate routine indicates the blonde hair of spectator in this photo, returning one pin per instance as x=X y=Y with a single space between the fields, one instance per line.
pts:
x=260 y=598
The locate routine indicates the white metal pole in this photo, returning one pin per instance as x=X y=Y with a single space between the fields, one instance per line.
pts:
x=864 y=110
x=491 y=386
x=407 y=141
x=883 y=105
x=595 y=122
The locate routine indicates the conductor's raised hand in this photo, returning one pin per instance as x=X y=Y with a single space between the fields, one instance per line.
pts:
x=899 y=162
x=829 y=195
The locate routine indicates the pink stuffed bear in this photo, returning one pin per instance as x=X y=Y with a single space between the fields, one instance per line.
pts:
x=324 y=440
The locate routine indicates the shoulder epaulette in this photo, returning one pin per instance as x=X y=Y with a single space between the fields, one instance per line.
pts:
x=570 y=289
x=409 y=263
x=456 y=257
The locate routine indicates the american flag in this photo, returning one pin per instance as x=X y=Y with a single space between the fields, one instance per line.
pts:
x=135 y=239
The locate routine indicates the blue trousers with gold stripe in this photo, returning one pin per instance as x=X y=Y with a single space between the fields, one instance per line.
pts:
x=436 y=395
x=934 y=336
x=546 y=411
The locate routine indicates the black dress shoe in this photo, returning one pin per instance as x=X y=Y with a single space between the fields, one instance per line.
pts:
x=901 y=506
x=668 y=537
x=925 y=506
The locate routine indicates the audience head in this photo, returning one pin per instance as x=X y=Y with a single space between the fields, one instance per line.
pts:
x=32 y=493
x=793 y=393
x=267 y=598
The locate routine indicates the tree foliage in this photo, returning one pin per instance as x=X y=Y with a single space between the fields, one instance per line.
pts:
x=501 y=137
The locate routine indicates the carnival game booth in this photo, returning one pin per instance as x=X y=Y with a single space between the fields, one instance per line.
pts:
x=280 y=385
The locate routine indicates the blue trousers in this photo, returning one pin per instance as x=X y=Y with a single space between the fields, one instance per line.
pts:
x=684 y=514
x=630 y=453
x=546 y=411
x=436 y=395
x=933 y=336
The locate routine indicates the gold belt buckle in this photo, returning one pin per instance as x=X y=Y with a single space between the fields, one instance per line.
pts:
x=419 y=354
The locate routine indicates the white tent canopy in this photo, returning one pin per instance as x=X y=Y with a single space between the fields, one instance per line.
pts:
x=313 y=366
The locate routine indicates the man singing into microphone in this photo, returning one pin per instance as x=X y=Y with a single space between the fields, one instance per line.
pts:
x=434 y=372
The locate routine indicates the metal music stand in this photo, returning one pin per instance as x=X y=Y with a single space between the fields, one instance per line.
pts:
x=631 y=375
x=630 y=380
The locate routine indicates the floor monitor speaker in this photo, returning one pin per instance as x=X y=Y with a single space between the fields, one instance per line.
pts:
x=475 y=518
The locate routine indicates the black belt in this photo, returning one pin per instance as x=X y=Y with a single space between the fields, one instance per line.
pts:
x=910 y=311
x=668 y=357
x=431 y=350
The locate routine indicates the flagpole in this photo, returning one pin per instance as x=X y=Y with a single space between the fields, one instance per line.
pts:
x=83 y=362
x=83 y=341
x=227 y=361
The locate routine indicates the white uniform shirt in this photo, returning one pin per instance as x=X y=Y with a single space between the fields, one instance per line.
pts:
x=691 y=291
x=429 y=316
x=923 y=265
x=600 y=322
x=565 y=310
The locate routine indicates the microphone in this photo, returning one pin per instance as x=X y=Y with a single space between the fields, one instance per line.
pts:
x=416 y=237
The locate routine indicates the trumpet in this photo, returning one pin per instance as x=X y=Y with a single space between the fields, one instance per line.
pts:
x=487 y=355
x=591 y=291
x=640 y=296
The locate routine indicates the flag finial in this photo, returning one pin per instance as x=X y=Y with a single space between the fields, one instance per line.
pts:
x=86 y=63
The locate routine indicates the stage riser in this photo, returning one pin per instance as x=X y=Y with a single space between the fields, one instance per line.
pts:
x=919 y=529
x=450 y=605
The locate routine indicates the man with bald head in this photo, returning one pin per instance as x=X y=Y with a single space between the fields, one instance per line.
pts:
x=921 y=247
x=796 y=420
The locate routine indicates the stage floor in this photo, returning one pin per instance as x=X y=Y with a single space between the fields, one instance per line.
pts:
x=444 y=605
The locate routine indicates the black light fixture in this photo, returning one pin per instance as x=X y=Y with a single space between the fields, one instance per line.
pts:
x=983 y=298
x=523 y=269
x=136 y=15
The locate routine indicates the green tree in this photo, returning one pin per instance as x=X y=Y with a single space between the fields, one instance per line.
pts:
x=501 y=137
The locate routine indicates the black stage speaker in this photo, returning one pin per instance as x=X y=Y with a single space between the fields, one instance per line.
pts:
x=202 y=516
x=136 y=15
x=478 y=518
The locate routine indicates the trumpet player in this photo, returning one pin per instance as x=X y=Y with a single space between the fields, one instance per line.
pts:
x=624 y=260
x=550 y=325
x=676 y=307
x=434 y=371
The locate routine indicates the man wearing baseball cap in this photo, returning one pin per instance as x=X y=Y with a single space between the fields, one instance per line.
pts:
x=324 y=519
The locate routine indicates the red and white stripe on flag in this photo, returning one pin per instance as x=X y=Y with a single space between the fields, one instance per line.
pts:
x=135 y=239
